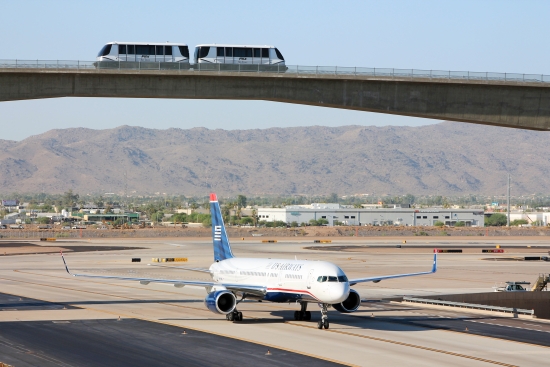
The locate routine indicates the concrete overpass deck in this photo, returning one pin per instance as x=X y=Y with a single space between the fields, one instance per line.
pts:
x=500 y=99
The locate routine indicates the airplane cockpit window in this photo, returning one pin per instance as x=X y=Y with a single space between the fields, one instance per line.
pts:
x=332 y=279
x=342 y=278
x=322 y=279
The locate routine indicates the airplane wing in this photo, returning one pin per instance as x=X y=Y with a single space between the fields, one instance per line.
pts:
x=383 y=277
x=178 y=283
x=200 y=270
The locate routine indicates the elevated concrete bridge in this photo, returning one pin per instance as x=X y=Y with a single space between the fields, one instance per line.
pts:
x=517 y=103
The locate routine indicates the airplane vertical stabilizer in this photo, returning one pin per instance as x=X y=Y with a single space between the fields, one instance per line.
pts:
x=222 y=249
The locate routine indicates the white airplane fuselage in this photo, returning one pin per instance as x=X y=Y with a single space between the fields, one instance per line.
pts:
x=286 y=280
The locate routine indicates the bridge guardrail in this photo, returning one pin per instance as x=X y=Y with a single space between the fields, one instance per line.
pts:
x=287 y=69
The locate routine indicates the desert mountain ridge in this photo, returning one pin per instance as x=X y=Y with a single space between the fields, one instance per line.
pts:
x=448 y=158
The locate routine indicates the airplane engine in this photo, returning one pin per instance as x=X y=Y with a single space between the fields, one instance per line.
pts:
x=223 y=302
x=350 y=304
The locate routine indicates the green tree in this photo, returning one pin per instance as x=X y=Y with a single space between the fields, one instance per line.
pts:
x=69 y=199
x=157 y=216
x=294 y=224
x=460 y=224
x=241 y=201
x=496 y=219
x=247 y=221
x=43 y=220
x=439 y=224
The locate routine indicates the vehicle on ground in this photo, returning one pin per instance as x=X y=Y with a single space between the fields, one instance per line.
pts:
x=16 y=226
x=3 y=226
x=44 y=226
x=66 y=227
x=78 y=227
x=238 y=55
x=128 y=54
x=512 y=287
x=274 y=280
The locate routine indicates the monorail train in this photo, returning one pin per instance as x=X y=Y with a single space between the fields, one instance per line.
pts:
x=238 y=54
x=144 y=52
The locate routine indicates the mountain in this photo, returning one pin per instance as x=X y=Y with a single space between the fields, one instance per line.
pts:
x=449 y=158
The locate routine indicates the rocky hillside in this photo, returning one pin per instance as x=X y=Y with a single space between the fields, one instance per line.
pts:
x=447 y=158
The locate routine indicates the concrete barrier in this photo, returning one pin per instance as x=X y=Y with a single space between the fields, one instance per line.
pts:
x=537 y=301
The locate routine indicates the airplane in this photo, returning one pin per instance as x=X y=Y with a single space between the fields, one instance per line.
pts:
x=235 y=279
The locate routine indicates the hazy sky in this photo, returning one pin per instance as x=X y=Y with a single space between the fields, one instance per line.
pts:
x=501 y=36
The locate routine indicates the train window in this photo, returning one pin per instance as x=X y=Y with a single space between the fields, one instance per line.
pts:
x=265 y=53
x=121 y=49
x=131 y=50
x=257 y=52
x=160 y=50
x=168 y=50
x=279 y=55
x=203 y=52
x=220 y=52
x=104 y=51
x=184 y=50
x=229 y=52
x=239 y=52
x=145 y=50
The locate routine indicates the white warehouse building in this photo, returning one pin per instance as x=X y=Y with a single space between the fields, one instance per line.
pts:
x=377 y=217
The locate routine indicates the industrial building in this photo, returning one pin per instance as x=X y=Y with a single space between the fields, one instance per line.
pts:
x=334 y=214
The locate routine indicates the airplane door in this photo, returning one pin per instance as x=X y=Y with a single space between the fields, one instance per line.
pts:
x=310 y=279
x=280 y=278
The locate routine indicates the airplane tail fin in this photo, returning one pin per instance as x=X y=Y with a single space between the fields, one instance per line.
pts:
x=222 y=249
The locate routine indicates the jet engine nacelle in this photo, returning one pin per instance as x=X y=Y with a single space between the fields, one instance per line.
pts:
x=223 y=302
x=350 y=304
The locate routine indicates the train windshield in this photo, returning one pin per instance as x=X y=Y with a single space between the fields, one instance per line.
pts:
x=104 y=51
x=279 y=55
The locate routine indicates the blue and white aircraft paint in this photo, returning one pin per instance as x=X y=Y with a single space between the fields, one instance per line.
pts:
x=276 y=280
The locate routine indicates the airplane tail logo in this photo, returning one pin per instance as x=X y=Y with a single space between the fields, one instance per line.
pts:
x=222 y=249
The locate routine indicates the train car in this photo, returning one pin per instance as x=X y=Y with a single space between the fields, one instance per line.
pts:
x=144 y=52
x=238 y=54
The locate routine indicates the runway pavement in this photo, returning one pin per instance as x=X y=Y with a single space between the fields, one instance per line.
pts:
x=379 y=333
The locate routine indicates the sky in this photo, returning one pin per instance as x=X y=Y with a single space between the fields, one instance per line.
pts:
x=482 y=35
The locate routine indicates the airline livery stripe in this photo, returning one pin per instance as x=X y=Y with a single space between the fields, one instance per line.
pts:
x=291 y=291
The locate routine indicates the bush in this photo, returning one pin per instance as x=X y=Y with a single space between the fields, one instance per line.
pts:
x=421 y=233
x=43 y=220
x=518 y=222
x=460 y=224
x=294 y=224
x=439 y=224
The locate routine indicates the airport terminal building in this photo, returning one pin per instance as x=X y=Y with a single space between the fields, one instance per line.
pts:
x=334 y=213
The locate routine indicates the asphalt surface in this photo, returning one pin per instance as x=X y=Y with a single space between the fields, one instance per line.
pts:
x=507 y=328
x=132 y=342
x=10 y=302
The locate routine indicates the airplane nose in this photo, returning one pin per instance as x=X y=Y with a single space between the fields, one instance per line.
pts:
x=340 y=293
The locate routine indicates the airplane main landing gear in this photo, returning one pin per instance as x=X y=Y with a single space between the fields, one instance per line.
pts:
x=302 y=314
x=323 y=323
x=234 y=316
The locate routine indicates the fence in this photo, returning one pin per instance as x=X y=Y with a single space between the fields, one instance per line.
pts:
x=392 y=73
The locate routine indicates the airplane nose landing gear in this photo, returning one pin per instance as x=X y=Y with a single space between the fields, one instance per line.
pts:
x=323 y=323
